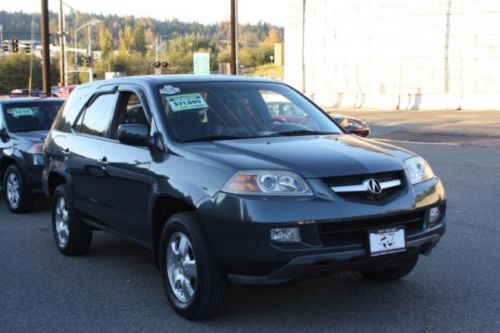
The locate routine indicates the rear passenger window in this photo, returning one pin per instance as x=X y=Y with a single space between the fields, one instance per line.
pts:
x=71 y=108
x=97 y=117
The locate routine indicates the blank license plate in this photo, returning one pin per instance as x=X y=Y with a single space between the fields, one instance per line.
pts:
x=387 y=241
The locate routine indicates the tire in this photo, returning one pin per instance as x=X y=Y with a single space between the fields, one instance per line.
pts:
x=18 y=197
x=195 y=285
x=395 y=272
x=72 y=236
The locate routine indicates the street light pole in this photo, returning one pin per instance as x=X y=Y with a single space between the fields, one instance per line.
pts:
x=88 y=24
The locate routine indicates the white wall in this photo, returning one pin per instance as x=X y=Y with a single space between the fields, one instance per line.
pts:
x=389 y=53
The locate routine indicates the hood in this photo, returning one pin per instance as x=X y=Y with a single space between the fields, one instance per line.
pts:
x=32 y=136
x=309 y=156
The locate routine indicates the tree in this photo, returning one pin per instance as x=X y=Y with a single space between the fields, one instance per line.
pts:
x=139 y=40
x=273 y=37
x=126 y=40
x=181 y=49
x=106 y=41
x=15 y=72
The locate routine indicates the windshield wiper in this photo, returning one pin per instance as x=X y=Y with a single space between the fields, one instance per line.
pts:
x=303 y=132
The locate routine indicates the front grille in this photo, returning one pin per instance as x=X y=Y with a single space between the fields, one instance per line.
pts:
x=367 y=197
x=355 y=231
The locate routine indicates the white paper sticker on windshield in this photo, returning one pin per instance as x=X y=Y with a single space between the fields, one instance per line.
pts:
x=20 y=112
x=169 y=90
x=186 y=102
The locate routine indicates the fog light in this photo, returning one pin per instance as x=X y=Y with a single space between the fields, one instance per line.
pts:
x=434 y=215
x=285 y=235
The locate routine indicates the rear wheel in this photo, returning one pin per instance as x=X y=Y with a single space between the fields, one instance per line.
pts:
x=17 y=195
x=72 y=236
x=393 y=272
x=195 y=285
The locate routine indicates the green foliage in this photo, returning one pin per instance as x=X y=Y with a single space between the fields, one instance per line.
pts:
x=130 y=63
x=181 y=49
x=106 y=41
x=135 y=40
x=15 y=72
x=267 y=71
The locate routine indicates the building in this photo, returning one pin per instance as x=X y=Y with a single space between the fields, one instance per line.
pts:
x=402 y=54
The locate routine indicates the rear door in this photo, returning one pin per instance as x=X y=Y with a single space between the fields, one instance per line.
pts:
x=83 y=152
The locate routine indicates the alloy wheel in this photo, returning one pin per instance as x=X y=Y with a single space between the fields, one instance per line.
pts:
x=181 y=267
x=61 y=222
x=12 y=190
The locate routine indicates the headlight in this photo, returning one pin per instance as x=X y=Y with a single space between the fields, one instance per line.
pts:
x=37 y=148
x=267 y=182
x=353 y=124
x=418 y=170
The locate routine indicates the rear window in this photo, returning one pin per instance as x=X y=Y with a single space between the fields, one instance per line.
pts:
x=30 y=116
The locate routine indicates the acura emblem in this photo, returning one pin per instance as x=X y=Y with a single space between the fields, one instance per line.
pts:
x=373 y=186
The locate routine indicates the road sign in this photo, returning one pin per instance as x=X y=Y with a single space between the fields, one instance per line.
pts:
x=201 y=63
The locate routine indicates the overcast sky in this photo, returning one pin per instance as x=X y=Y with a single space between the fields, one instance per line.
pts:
x=203 y=11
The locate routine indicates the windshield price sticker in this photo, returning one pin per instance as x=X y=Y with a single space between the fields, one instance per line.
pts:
x=20 y=112
x=186 y=102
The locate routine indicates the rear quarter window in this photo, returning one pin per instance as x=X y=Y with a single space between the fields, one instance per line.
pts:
x=70 y=110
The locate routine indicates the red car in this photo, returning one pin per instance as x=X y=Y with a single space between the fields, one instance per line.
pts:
x=288 y=113
x=66 y=90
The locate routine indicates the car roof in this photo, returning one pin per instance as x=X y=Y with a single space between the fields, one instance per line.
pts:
x=155 y=80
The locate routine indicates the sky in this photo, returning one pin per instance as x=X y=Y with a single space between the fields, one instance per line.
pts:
x=202 y=11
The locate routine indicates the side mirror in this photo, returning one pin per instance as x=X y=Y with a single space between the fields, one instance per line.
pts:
x=4 y=136
x=133 y=135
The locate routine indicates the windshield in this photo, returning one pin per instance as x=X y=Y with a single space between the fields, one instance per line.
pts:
x=31 y=116
x=236 y=110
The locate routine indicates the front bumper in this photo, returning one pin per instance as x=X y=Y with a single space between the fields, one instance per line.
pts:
x=321 y=264
x=334 y=232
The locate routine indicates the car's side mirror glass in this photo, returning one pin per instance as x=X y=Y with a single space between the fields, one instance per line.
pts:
x=133 y=135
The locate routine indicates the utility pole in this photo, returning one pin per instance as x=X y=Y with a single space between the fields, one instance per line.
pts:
x=62 y=61
x=234 y=37
x=45 y=47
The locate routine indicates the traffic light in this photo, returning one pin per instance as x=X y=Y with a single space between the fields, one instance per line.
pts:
x=158 y=64
x=27 y=48
x=15 y=45
x=88 y=61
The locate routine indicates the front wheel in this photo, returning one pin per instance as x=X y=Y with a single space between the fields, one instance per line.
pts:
x=72 y=236
x=195 y=285
x=393 y=272
x=19 y=197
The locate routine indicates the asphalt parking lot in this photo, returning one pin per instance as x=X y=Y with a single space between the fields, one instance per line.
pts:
x=116 y=288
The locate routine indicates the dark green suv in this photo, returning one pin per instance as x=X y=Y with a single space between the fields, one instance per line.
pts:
x=197 y=169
